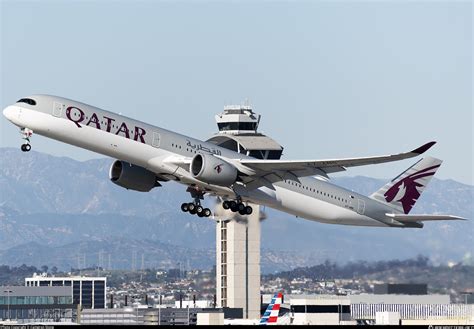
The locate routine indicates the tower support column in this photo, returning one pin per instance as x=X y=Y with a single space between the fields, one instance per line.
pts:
x=238 y=261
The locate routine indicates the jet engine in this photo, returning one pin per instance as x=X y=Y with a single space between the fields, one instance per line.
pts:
x=212 y=170
x=132 y=177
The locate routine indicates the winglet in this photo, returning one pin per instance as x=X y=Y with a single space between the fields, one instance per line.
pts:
x=424 y=148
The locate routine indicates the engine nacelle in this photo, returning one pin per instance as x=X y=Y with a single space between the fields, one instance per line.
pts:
x=132 y=177
x=212 y=170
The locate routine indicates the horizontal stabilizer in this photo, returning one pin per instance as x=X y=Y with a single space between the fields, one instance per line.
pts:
x=420 y=218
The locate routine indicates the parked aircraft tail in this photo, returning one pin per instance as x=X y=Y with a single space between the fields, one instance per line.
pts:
x=271 y=314
x=402 y=192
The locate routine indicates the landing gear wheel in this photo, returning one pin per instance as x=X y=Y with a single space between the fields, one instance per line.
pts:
x=206 y=212
x=185 y=207
x=248 y=210
x=242 y=212
x=199 y=210
x=26 y=147
x=226 y=205
x=233 y=206
x=240 y=207
x=200 y=214
x=192 y=208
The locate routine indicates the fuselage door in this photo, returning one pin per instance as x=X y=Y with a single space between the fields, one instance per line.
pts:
x=58 y=109
x=156 y=139
x=360 y=206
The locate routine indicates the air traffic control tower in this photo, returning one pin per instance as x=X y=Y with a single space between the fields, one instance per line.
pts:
x=237 y=236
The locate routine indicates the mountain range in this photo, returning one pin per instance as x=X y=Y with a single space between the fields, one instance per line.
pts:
x=57 y=211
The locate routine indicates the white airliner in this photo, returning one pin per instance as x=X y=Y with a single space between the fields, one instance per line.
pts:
x=148 y=155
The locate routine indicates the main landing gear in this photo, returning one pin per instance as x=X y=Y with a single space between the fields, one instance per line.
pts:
x=26 y=134
x=196 y=208
x=237 y=206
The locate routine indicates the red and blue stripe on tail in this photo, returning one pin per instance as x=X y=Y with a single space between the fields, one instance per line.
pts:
x=271 y=313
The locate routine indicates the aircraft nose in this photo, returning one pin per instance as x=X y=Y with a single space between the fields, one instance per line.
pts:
x=10 y=112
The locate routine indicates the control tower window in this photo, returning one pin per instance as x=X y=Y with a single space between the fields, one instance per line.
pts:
x=229 y=144
x=256 y=154
x=27 y=101
x=274 y=155
x=223 y=126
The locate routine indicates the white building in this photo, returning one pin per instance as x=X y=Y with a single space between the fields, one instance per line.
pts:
x=88 y=292
x=320 y=310
x=411 y=309
x=377 y=309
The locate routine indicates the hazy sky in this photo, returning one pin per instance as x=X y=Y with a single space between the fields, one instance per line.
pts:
x=331 y=79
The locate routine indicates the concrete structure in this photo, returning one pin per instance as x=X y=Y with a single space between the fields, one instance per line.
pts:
x=372 y=309
x=399 y=299
x=411 y=309
x=320 y=310
x=88 y=292
x=126 y=315
x=213 y=319
x=156 y=316
x=238 y=263
x=194 y=304
x=238 y=237
x=33 y=304
x=388 y=318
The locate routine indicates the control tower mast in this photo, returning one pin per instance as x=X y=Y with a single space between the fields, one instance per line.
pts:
x=237 y=236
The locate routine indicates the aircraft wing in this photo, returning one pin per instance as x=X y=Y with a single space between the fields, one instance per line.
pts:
x=315 y=167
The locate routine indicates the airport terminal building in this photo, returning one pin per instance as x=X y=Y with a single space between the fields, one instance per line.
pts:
x=88 y=292
x=46 y=304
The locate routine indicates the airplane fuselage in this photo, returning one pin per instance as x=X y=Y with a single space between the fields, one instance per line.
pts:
x=154 y=148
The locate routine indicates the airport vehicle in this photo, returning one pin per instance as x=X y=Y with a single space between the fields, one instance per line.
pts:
x=270 y=317
x=148 y=155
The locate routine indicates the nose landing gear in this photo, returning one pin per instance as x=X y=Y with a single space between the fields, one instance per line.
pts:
x=26 y=134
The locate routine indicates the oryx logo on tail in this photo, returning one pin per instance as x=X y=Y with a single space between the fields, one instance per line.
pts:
x=408 y=188
x=403 y=191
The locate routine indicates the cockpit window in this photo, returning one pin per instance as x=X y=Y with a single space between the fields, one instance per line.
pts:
x=27 y=101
